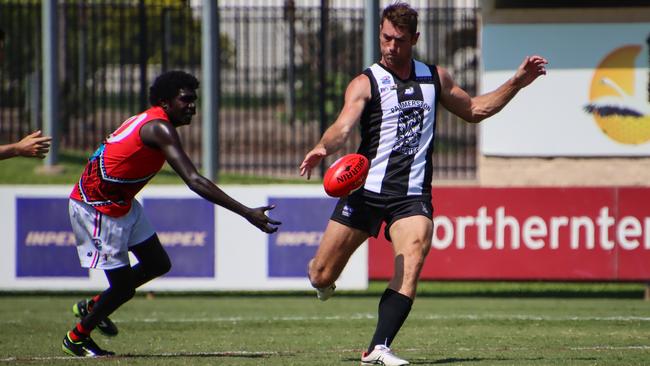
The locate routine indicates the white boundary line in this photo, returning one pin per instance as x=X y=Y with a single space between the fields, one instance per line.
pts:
x=367 y=316
x=245 y=354
x=530 y=317
x=155 y=355
x=609 y=348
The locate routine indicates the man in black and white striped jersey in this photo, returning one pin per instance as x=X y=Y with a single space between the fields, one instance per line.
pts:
x=396 y=102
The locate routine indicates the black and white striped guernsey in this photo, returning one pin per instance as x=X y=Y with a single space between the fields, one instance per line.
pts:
x=397 y=130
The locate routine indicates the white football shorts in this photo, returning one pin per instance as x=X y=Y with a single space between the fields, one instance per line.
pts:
x=103 y=241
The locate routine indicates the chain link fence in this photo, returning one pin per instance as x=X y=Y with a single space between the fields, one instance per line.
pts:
x=271 y=87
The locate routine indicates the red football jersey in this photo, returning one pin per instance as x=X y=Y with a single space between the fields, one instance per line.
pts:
x=121 y=166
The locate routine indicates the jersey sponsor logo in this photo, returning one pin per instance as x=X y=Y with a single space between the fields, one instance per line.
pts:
x=409 y=104
x=384 y=89
x=409 y=131
x=385 y=80
x=425 y=209
x=346 y=211
x=97 y=242
x=409 y=125
x=409 y=91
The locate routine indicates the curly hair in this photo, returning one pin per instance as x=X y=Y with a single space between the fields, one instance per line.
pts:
x=402 y=15
x=167 y=85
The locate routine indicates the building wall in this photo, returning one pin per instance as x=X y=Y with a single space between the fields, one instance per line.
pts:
x=562 y=171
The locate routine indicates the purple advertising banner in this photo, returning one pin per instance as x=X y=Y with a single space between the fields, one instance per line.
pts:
x=45 y=244
x=185 y=227
x=303 y=223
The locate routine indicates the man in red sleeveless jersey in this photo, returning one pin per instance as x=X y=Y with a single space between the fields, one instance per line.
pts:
x=108 y=222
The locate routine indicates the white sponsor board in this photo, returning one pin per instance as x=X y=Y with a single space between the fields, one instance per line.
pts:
x=240 y=255
x=593 y=102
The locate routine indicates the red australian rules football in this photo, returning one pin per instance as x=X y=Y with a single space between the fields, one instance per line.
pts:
x=346 y=175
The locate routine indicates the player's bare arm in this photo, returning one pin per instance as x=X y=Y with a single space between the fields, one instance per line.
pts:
x=478 y=108
x=357 y=95
x=162 y=135
x=32 y=145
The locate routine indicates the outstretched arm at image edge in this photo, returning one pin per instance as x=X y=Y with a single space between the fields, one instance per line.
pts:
x=32 y=145
x=478 y=108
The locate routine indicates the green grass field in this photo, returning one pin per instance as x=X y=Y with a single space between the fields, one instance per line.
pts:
x=452 y=323
x=592 y=324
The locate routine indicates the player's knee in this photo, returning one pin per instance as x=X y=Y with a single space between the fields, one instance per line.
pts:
x=414 y=258
x=425 y=247
x=319 y=277
x=419 y=249
x=163 y=266
x=157 y=265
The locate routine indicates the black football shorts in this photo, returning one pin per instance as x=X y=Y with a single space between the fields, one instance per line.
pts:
x=366 y=211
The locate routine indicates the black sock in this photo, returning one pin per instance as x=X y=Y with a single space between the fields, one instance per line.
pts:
x=120 y=291
x=393 y=310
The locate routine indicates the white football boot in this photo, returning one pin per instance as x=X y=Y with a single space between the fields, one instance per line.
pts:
x=325 y=292
x=381 y=355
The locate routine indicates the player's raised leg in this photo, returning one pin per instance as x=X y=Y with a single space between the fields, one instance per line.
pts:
x=153 y=260
x=77 y=342
x=411 y=237
x=337 y=246
x=103 y=245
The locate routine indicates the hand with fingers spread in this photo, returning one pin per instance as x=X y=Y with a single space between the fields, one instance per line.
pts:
x=35 y=145
x=530 y=69
x=257 y=216
x=312 y=159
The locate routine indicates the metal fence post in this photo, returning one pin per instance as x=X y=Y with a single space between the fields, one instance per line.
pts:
x=142 y=11
x=322 y=71
x=371 y=33
x=50 y=81
x=290 y=99
x=211 y=84
x=166 y=39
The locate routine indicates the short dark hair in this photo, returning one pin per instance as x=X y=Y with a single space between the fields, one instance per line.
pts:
x=167 y=85
x=402 y=15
